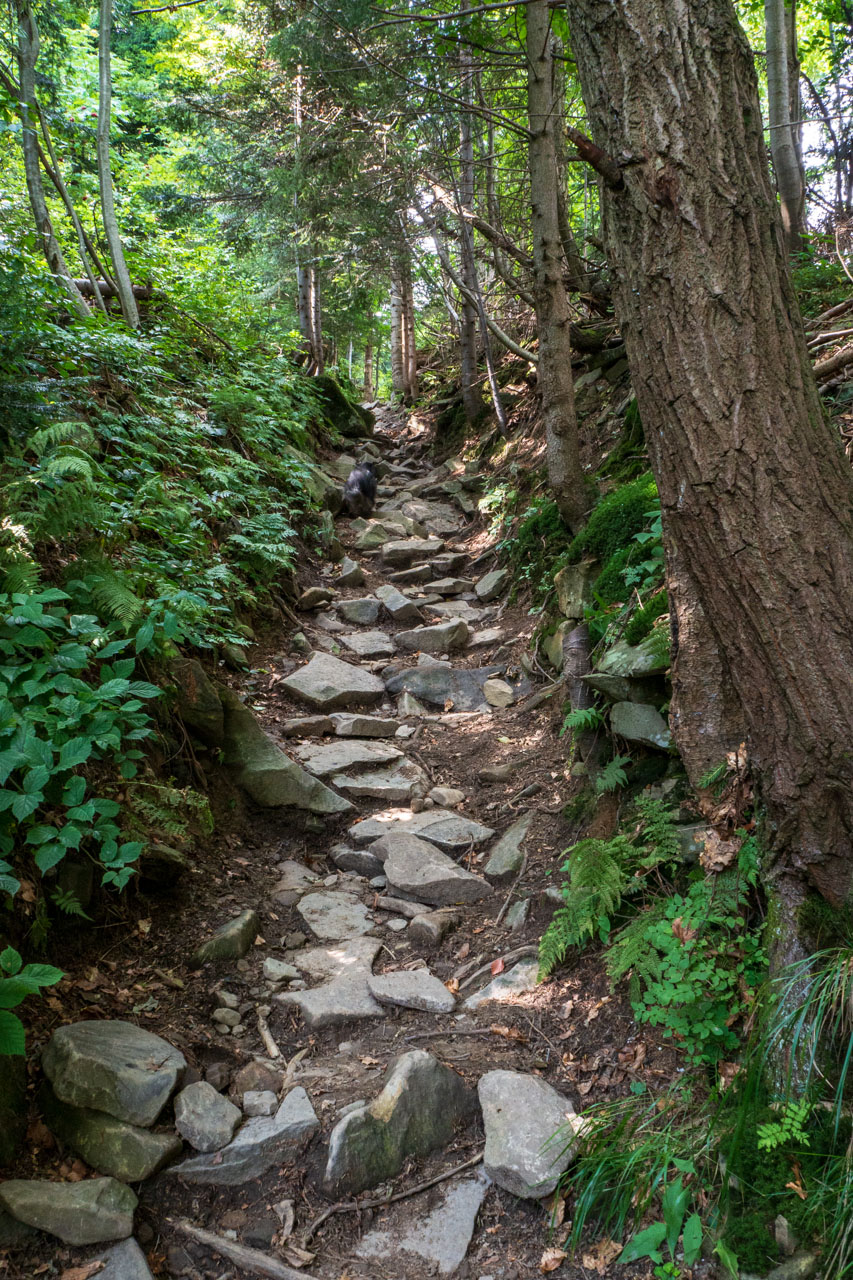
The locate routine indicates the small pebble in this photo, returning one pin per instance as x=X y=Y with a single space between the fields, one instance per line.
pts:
x=227 y=1000
x=239 y=1030
x=259 y=1102
x=228 y=1017
x=378 y=882
x=298 y=984
x=243 y=966
x=293 y=941
x=330 y=880
x=397 y=924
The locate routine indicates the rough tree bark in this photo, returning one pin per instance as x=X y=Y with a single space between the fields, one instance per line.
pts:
x=129 y=309
x=368 y=371
x=410 y=355
x=565 y=476
x=28 y=51
x=783 y=100
x=755 y=489
x=398 y=374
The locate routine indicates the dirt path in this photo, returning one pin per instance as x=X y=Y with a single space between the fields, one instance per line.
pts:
x=353 y=932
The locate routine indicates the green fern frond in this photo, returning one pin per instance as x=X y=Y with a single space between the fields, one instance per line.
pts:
x=69 y=903
x=64 y=466
x=597 y=880
x=112 y=595
x=22 y=576
x=613 y=775
x=57 y=433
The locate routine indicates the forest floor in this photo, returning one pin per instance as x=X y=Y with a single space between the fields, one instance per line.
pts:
x=572 y=1031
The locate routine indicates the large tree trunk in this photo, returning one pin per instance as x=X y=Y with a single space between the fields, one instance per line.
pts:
x=28 y=51
x=398 y=373
x=410 y=354
x=754 y=486
x=783 y=100
x=552 y=307
x=472 y=400
x=368 y=371
x=129 y=309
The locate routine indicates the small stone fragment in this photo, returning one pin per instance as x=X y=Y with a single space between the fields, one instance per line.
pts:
x=490 y=586
x=231 y=940
x=124 y=1261
x=313 y=597
x=419 y=870
x=260 y=1143
x=432 y=926
x=351 y=574
x=447 y=797
x=369 y=644
x=531 y=1133
x=307 y=727
x=204 y=1117
x=279 y=970
x=507 y=856
x=498 y=693
x=637 y=722
x=348 y=725
x=259 y=1102
x=257 y=1077
x=364 y=611
x=412 y=989
x=506 y=986
x=517 y=915
x=441 y=637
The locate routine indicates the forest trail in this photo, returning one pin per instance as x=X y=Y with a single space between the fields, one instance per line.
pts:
x=403 y=932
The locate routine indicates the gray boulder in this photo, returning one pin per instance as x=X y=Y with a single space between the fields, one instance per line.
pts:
x=399 y=607
x=124 y=1261
x=112 y=1147
x=412 y=989
x=416 y=1112
x=349 y=725
x=338 y=757
x=574 y=589
x=115 y=1067
x=633 y=661
x=262 y=769
x=388 y=786
x=231 y=941
x=414 y=867
x=363 y=611
x=442 y=637
x=636 y=722
x=206 y=1119
x=261 y=1143
x=507 y=856
x=351 y=574
x=490 y=586
x=84 y=1212
x=439 y=685
x=531 y=1133
x=330 y=685
x=334 y=916
x=401 y=554
x=345 y=998
x=450 y=832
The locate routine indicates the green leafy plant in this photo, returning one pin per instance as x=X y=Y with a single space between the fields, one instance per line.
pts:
x=612 y=775
x=18 y=981
x=790 y=1127
x=583 y=720
x=676 y=1225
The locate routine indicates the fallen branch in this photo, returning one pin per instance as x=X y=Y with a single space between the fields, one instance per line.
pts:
x=352 y=1206
x=253 y=1260
x=269 y=1044
x=833 y=363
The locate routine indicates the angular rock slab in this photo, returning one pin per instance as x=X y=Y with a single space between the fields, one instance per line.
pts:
x=115 y=1067
x=399 y=607
x=338 y=757
x=112 y=1147
x=231 y=941
x=506 y=986
x=124 y=1261
x=334 y=915
x=416 y=868
x=351 y=574
x=521 y=1115
x=415 y=1113
x=369 y=644
x=262 y=1142
x=633 y=661
x=448 y=831
x=490 y=586
x=439 y=685
x=390 y=786
x=76 y=1212
x=347 y=725
x=637 y=722
x=346 y=998
x=350 y=955
x=412 y=989
x=401 y=554
x=440 y=1235
x=364 y=611
x=442 y=637
x=507 y=856
x=206 y=1119
x=331 y=685
x=262 y=769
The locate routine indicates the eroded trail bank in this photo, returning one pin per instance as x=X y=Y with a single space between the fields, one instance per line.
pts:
x=361 y=1076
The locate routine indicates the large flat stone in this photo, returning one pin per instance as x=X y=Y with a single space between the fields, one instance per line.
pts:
x=436 y=1228
x=363 y=611
x=416 y=1112
x=401 y=554
x=84 y=1212
x=262 y=769
x=261 y=1143
x=438 y=685
x=349 y=725
x=362 y=862
x=350 y=955
x=338 y=757
x=507 y=856
x=390 y=786
x=523 y=1117
x=115 y=1067
x=345 y=998
x=505 y=987
x=330 y=685
x=369 y=644
x=490 y=586
x=113 y=1147
x=448 y=831
x=633 y=661
x=441 y=637
x=416 y=868
x=412 y=989
x=334 y=915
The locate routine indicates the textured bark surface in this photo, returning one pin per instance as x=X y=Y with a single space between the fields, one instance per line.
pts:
x=472 y=399
x=398 y=372
x=121 y=275
x=782 y=104
x=755 y=490
x=565 y=477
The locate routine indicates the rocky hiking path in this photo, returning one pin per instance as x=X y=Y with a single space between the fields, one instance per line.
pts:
x=358 y=1075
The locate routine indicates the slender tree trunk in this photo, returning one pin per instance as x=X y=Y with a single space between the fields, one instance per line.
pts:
x=565 y=476
x=28 y=51
x=129 y=309
x=410 y=361
x=783 y=98
x=755 y=489
x=317 y=319
x=472 y=400
x=368 y=371
x=398 y=377
x=579 y=280
x=305 y=310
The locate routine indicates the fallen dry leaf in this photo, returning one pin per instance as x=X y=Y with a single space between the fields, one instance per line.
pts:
x=84 y=1272
x=464 y=951
x=509 y=1033
x=601 y=1255
x=551 y=1259
x=143 y=928
x=718 y=853
x=497 y=966
x=367 y=1061
x=452 y=985
x=555 y=1207
x=682 y=932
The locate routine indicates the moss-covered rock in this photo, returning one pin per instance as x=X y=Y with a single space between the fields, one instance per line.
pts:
x=349 y=419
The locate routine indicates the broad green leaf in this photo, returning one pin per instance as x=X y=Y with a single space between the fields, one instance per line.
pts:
x=75 y=751
x=10 y=960
x=48 y=856
x=41 y=834
x=75 y=789
x=727 y=1259
x=646 y=1244
x=144 y=636
x=43 y=975
x=8 y=884
x=23 y=806
x=691 y=1239
x=12 y=1039
x=36 y=780
x=674 y=1203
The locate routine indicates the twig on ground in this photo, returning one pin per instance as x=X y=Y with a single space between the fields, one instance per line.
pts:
x=260 y=1264
x=352 y=1206
x=512 y=889
x=269 y=1044
x=518 y=954
x=439 y=1035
